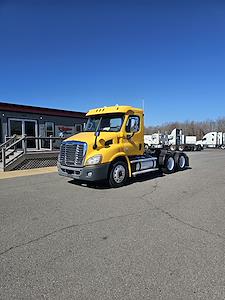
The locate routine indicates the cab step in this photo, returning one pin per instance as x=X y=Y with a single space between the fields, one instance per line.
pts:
x=144 y=171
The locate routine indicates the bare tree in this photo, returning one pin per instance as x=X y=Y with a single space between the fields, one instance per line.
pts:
x=199 y=128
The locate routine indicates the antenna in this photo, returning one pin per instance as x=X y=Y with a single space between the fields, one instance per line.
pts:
x=143 y=104
x=143 y=107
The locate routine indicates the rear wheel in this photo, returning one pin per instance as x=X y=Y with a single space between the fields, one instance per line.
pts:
x=181 y=148
x=181 y=162
x=173 y=147
x=169 y=164
x=118 y=174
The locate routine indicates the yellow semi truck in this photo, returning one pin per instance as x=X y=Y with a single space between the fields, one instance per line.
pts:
x=112 y=148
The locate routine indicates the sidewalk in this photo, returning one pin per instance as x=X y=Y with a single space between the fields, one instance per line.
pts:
x=20 y=173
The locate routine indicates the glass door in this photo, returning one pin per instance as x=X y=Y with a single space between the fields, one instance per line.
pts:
x=30 y=130
x=21 y=127
x=16 y=127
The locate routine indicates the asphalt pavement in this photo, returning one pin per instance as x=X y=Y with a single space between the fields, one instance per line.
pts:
x=159 y=237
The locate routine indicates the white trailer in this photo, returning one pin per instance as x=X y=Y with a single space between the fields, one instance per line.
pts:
x=212 y=139
x=175 y=141
x=181 y=142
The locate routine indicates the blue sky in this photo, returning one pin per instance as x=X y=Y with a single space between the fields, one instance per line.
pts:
x=81 y=54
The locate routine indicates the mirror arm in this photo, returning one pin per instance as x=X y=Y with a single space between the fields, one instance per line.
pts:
x=130 y=136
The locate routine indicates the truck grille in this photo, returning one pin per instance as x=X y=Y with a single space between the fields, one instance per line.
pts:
x=72 y=153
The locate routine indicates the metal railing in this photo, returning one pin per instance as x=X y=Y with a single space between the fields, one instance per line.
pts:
x=9 y=140
x=19 y=145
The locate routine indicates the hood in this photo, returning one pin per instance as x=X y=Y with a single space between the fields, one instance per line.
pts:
x=82 y=137
x=89 y=138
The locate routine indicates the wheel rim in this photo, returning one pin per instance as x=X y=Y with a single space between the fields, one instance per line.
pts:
x=182 y=162
x=170 y=163
x=119 y=173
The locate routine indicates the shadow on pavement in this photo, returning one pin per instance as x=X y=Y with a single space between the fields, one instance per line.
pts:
x=104 y=185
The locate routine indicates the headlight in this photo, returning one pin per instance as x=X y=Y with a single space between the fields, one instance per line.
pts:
x=94 y=160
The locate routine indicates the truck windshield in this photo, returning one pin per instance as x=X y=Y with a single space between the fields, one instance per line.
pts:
x=110 y=123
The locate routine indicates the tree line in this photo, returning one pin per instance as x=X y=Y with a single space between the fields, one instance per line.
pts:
x=190 y=127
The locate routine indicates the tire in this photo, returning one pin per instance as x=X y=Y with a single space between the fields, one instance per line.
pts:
x=118 y=174
x=181 y=148
x=169 y=164
x=173 y=147
x=222 y=147
x=181 y=162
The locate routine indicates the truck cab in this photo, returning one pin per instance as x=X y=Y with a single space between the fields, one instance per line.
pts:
x=110 y=148
x=208 y=140
x=213 y=139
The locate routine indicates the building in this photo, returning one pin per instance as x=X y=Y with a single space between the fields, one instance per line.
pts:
x=38 y=122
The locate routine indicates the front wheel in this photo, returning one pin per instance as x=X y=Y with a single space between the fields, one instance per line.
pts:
x=118 y=174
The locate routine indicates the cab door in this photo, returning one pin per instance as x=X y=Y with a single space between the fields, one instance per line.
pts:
x=133 y=142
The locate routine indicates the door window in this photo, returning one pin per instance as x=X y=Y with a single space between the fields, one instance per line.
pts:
x=30 y=130
x=16 y=127
x=133 y=124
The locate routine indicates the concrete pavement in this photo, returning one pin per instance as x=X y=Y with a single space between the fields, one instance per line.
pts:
x=160 y=237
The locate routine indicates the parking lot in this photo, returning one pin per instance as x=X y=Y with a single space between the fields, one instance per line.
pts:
x=159 y=237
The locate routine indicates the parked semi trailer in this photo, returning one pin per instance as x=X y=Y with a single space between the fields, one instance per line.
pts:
x=174 y=141
x=182 y=142
x=112 y=148
x=212 y=139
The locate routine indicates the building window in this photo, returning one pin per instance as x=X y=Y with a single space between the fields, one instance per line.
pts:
x=49 y=128
x=78 y=127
